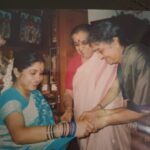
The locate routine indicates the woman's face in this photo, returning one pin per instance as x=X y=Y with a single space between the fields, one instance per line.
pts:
x=30 y=77
x=111 y=52
x=80 y=40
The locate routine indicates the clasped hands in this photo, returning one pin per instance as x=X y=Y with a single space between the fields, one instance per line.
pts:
x=88 y=122
x=96 y=118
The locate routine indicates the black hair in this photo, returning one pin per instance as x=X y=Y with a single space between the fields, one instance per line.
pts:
x=80 y=27
x=146 y=37
x=24 y=59
x=133 y=27
x=128 y=28
x=105 y=31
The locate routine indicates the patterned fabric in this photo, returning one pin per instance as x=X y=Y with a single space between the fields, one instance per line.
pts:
x=36 y=112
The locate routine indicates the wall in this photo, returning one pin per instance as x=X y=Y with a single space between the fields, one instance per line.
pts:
x=97 y=14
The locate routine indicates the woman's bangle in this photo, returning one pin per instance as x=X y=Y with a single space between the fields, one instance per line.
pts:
x=72 y=129
x=48 y=132
x=61 y=130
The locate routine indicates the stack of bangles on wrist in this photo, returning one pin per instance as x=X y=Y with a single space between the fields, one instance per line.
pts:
x=64 y=129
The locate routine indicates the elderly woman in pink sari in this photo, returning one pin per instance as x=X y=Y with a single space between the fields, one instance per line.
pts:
x=94 y=86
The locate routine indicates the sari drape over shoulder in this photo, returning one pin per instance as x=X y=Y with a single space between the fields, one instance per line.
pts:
x=36 y=112
x=91 y=82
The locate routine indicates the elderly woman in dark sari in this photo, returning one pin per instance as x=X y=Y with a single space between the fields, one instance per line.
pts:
x=108 y=38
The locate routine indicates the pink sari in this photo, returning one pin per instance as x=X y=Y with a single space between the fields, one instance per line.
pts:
x=91 y=82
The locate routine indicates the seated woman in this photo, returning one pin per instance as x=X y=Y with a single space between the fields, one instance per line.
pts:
x=26 y=120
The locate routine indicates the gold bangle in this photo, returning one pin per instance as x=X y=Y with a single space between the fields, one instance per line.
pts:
x=48 y=132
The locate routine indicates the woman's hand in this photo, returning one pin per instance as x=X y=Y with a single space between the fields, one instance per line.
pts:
x=97 y=107
x=67 y=116
x=90 y=115
x=84 y=128
x=95 y=117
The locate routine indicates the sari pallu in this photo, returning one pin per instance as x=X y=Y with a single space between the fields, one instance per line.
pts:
x=90 y=84
x=36 y=112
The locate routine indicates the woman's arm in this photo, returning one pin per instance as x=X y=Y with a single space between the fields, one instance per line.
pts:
x=115 y=116
x=68 y=105
x=110 y=96
x=104 y=117
x=22 y=134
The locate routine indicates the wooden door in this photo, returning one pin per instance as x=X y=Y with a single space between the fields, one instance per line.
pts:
x=66 y=21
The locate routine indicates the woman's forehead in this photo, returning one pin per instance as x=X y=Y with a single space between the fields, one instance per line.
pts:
x=36 y=65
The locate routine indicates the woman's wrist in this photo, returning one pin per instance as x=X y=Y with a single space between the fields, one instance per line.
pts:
x=69 y=109
x=63 y=129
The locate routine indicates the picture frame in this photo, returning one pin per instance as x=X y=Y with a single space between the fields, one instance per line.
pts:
x=30 y=28
x=5 y=24
x=30 y=31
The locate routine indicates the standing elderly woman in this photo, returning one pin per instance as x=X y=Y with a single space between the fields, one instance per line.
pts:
x=79 y=37
x=108 y=38
x=95 y=85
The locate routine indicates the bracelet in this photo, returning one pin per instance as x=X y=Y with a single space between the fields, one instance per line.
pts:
x=63 y=129
x=48 y=131
x=72 y=129
x=51 y=132
x=100 y=106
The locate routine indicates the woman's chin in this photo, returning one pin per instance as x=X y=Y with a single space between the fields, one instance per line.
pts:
x=33 y=88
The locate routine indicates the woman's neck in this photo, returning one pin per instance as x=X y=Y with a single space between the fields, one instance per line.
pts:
x=24 y=92
x=83 y=59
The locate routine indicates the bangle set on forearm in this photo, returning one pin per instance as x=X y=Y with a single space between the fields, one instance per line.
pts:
x=63 y=129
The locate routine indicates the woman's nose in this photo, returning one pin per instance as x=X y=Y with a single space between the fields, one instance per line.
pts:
x=101 y=56
x=82 y=47
x=39 y=78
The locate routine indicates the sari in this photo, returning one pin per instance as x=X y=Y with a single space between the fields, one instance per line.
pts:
x=135 y=82
x=91 y=83
x=36 y=112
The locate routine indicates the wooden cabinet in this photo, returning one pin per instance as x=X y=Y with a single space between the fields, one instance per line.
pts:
x=66 y=20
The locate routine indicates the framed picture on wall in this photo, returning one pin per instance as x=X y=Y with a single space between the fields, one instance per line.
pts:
x=5 y=24
x=30 y=28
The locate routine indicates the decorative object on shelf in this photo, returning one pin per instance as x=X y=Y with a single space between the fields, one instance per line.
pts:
x=5 y=24
x=3 y=65
x=45 y=87
x=7 y=80
x=30 y=28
